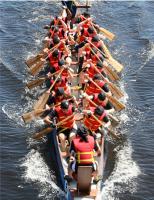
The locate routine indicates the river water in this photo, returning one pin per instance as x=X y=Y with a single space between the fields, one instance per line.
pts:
x=129 y=173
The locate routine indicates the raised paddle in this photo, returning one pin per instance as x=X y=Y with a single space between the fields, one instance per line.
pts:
x=40 y=104
x=44 y=132
x=115 y=120
x=108 y=129
x=111 y=74
x=37 y=67
x=115 y=64
x=117 y=104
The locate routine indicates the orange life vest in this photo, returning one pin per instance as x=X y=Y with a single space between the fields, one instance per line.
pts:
x=92 y=89
x=91 y=123
x=95 y=100
x=84 y=150
x=52 y=59
x=61 y=116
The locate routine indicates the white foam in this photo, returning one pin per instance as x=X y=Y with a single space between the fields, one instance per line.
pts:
x=37 y=171
x=125 y=173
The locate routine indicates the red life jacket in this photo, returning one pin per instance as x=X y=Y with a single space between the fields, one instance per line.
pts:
x=91 y=123
x=56 y=67
x=84 y=150
x=83 y=35
x=92 y=89
x=85 y=25
x=61 y=116
x=53 y=60
x=95 y=100
x=62 y=84
x=91 y=70
x=65 y=73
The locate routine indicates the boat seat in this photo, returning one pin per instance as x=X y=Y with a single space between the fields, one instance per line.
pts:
x=84 y=177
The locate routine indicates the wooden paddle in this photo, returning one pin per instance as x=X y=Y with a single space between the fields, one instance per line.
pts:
x=115 y=120
x=117 y=104
x=28 y=117
x=113 y=88
x=39 y=81
x=40 y=104
x=37 y=67
x=115 y=64
x=105 y=32
x=111 y=74
x=44 y=132
x=31 y=61
x=116 y=136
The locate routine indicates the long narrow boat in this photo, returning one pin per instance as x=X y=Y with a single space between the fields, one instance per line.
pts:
x=83 y=186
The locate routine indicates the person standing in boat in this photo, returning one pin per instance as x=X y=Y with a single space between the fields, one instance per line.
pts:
x=67 y=130
x=82 y=151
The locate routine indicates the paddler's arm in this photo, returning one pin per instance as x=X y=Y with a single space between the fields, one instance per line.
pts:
x=49 y=118
x=63 y=24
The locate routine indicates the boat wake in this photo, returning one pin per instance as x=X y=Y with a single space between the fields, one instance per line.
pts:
x=150 y=55
x=37 y=171
x=125 y=173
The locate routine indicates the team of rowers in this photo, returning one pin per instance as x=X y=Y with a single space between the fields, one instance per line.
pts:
x=71 y=38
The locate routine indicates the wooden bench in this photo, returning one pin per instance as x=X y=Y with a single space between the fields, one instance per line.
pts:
x=84 y=177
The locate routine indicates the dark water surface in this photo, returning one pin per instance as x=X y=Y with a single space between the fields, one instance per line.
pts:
x=130 y=168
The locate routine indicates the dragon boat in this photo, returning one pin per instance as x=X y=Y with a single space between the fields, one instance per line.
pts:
x=82 y=186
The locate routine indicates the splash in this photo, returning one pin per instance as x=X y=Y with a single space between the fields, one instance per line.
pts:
x=38 y=172
x=13 y=112
x=125 y=173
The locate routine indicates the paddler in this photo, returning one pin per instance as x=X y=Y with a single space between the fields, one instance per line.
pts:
x=60 y=113
x=92 y=124
x=57 y=97
x=98 y=99
x=92 y=89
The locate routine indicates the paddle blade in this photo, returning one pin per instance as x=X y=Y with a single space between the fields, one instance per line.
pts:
x=40 y=104
x=35 y=83
x=113 y=76
x=36 y=68
x=33 y=60
x=42 y=133
x=107 y=34
x=117 y=104
x=115 y=90
x=116 y=65
x=28 y=117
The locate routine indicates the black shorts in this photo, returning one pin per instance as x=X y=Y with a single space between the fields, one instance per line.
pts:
x=66 y=132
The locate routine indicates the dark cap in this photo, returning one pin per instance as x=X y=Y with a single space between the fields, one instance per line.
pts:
x=64 y=104
x=99 y=110
x=99 y=64
x=86 y=15
x=55 y=53
x=60 y=91
x=56 y=39
x=61 y=62
x=95 y=39
x=90 y=30
x=101 y=96
x=97 y=77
